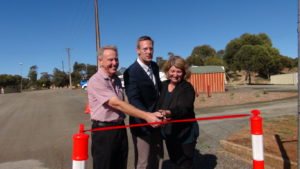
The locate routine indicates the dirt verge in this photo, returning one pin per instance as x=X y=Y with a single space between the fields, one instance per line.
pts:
x=280 y=133
x=239 y=97
x=280 y=140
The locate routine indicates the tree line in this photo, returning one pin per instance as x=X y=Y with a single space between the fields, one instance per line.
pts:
x=58 y=78
x=253 y=53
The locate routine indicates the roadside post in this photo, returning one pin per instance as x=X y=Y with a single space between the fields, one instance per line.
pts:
x=80 y=149
x=208 y=91
x=257 y=140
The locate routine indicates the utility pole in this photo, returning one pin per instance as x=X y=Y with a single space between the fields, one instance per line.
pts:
x=69 y=61
x=21 y=84
x=298 y=148
x=97 y=30
x=86 y=70
x=62 y=64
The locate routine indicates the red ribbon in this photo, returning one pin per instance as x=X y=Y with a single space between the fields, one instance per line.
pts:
x=169 y=121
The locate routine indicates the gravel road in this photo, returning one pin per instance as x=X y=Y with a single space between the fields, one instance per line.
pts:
x=37 y=128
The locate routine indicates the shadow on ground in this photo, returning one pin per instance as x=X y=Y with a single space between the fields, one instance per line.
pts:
x=201 y=161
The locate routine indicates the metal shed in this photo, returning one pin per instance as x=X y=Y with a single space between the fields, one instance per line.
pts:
x=208 y=78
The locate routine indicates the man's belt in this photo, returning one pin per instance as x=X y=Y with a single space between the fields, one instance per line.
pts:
x=105 y=124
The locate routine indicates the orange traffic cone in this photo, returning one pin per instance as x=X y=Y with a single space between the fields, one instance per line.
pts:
x=87 y=109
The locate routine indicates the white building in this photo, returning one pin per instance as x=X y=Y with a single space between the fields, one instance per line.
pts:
x=290 y=78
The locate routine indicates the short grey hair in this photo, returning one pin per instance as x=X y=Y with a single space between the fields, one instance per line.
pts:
x=111 y=47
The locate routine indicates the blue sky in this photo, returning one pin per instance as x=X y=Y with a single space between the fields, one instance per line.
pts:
x=37 y=32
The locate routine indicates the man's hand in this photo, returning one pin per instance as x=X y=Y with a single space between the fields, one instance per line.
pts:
x=154 y=117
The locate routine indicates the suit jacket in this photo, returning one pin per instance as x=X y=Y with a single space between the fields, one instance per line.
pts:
x=181 y=105
x=141 y=93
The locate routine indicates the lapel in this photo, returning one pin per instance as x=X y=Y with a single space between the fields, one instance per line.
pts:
x=141 y=72
x=156 y=74
x=144 y=76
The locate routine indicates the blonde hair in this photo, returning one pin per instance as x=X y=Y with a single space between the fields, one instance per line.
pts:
x=179 y=63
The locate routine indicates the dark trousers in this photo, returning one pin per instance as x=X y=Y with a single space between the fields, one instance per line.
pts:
x=109 y=149
x=181 y=155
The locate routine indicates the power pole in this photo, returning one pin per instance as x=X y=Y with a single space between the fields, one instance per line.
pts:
x=21 y=84
x=97 y=29
x=69 y=61
x=62 y=64
x=298 y=149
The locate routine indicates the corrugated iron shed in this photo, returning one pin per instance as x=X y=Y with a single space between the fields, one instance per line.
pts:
x=208 y=78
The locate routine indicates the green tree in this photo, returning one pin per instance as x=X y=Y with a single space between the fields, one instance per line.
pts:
x=220 y=53
x=60 y=78
x=262 y=61
x=256 y=49
x=91 y=70
x=3 y=80
x=194 y=61
x=287 y=62
x=200 y=54
x=214 y=61
x=45 y=80
x=12 y=83
x=253 y=58
x=243 y=60
x=276 y=65
x=32 y=75
x=9 y=80
x=231 y=49
x=79 y=72
x=82 y=71
x=295 y=62
x=259 y=39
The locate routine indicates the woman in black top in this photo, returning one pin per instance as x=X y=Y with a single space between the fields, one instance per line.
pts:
x=178 y=96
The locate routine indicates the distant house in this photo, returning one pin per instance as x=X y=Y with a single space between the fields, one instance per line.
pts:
x=208 y=78
x=287 y=79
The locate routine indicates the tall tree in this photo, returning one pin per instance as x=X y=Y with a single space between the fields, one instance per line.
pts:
x=200 y=54
x=221 y=53
x=32 y=75
x=255 y=49
x=91 y=70
x=82 y=71
x=214 y=61
x=9 y=80
x=60 y=78
x=231 y=49
x=45 y=80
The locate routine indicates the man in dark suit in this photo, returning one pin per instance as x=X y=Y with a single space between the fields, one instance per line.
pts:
x=142 y=86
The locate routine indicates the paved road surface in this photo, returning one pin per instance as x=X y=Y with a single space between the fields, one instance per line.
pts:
x=37 y=128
